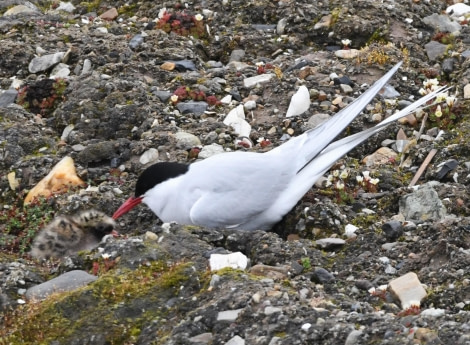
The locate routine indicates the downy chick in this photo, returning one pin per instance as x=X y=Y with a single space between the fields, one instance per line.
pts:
x=67 y=235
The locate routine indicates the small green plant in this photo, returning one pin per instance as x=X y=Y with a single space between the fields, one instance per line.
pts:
x=344 y=188
x=444 y=111
x=306 y=264
x=19 y=225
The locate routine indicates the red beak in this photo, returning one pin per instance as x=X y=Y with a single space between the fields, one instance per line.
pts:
x=128 y=205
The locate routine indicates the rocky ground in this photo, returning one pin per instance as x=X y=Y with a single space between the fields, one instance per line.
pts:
x=96 y=81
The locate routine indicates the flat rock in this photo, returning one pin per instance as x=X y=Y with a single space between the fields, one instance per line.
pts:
x=66 y=282
x=408 y=290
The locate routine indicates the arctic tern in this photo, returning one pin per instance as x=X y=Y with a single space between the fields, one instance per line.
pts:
x=249 y=190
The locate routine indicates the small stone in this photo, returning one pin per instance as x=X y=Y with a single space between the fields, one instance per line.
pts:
x=271 y=310
x=236 y=119
x=331 y=242
x=274 y=272
x=422 y=204
x=466 y=91
x=235 y=260
x=458 y=10
x=12 y=180
x=353 y=337
x=168 y=66
x=382 y=156
x=151 y=155
x=432 y=313
x=236 y=340
x=228 y=315
x=322 y=276
x=435 y=50
x=151 y=236
x=347 y=53
x=226 y=99
x=203 y=338
x=43 y=63
x=408 y=290
x=299 y=103
x=392 y=230
x=250 y=105
x=192 y=107
x=346 y=88
x=185 y=140
x=323 y=23
x=210 y=150
x=259 y=79
x=256 y=297
x=237 y=55
x=22 y=9
x=8 y=97
x=136 y=41
x=317 y=119
x=350 y=230
x=110 y=14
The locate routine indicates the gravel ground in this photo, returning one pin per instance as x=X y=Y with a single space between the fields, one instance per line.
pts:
x=373 y=263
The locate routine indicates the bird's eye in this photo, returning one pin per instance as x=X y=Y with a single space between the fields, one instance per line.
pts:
x=104 y=228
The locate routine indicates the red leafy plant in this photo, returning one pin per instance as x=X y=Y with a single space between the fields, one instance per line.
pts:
x=183 y=93
x=182 y=23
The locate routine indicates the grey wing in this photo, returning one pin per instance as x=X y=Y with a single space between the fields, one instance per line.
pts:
x=244 y=188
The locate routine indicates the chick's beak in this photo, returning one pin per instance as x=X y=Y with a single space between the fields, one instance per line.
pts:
x=128 y=205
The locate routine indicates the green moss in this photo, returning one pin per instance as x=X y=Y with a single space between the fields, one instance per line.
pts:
x=116 y=306
x=365 y=220
x=334 y=16
x=127 y=9
x=377 y=37
x=91 y=5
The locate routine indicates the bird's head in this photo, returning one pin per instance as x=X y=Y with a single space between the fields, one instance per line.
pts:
x=150 y=177
x=96 y=222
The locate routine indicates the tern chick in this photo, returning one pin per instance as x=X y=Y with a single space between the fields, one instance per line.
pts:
x=67 y=235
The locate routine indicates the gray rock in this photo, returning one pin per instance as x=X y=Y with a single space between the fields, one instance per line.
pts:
x=423 y=204
x=210 y=150
x=237 y=55
x=435 y=50
x=43 y=63
x=322 y=276
x=392 y=230
x=317 y=119
x=8 y=97
x=448 y=65
x=192 y=107
x=66 y=282
x=442 y=23
x=136 y=41
x=185 y=140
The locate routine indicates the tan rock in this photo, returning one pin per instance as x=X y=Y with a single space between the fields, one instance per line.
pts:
x=408 y=290
x=381 y=156
x=110 y=14
x=273 y=272
x=167 y=66
x=13 y=181
x=61 y=177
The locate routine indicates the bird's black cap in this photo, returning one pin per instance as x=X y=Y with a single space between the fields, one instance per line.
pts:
x=158 y=173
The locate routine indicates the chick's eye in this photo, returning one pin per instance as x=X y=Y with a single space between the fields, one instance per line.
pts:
x=104 y=228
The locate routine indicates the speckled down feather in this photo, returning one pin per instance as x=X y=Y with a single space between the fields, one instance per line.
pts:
x=67 y=235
